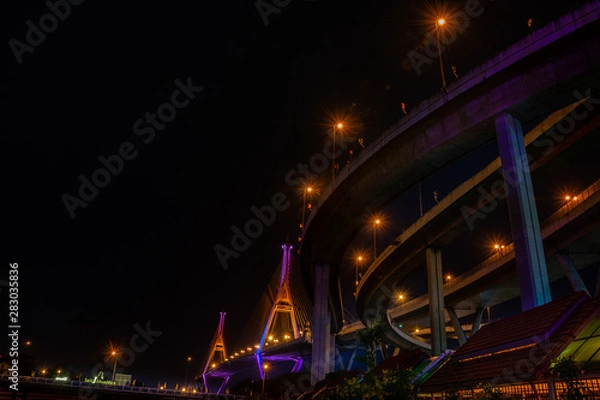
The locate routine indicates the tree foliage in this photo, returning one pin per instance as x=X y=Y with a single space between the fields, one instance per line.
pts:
x=390 y=385
x=566 y=369
x=373 y=338
x=488 y=392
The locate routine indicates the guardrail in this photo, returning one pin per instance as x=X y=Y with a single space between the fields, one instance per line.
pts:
x=551 y=224
x=123 y=388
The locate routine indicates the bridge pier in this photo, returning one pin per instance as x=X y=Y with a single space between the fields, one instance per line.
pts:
x=351 y=359
x=534 y=284
x=477 y=321
x=323 y=344
x=435 y=282
x=571 y=272
x=460 y=333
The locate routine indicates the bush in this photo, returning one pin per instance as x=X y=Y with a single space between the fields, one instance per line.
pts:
x=391 y=385
x=566 y=369
x=488 y=392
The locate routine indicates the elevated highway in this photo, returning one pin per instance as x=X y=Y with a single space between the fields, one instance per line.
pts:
x=573 y=230
x=459 y=213
x=550 y=82
x=536 y=80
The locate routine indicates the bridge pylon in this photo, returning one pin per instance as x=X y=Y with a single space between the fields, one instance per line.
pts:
x=217 y=352
x=282 y=322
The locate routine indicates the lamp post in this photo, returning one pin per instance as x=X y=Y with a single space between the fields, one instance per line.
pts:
x=116 y=357
x=306 y=190
x=375 y=226
x=440 y=23
x=339 y=125
x=358 y=261
x=265 y=367
x=187 y=364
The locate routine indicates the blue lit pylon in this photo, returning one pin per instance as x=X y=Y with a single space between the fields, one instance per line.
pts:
x=283 y=304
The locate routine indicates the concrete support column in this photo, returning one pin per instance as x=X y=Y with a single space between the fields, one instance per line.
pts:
x=460 y=333
x=571 y=272
x=477 y=321
x=322 y=352
x=339 y=360
x=534 y=284
x=435 y=284
x=351 y=358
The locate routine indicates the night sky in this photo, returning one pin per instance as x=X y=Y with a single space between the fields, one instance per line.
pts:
x=188 y=115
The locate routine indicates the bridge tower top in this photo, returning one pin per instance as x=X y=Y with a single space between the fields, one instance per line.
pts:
x=217 y=352
x=282 y=323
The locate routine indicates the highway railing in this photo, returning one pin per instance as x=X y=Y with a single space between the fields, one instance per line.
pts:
x=123 y=388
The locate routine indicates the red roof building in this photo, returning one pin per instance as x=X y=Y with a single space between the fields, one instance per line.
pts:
x=516 y=354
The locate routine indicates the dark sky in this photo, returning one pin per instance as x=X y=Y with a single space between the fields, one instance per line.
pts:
x=242 y=103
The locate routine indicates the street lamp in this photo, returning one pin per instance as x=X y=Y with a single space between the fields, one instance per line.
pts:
x=439 y=24
x=339 y=125
x=307 y=189
x=265 y=367
x=187 y=364
x=499 y=250
x=116 y=357
x=358 y=261
x=375 y=226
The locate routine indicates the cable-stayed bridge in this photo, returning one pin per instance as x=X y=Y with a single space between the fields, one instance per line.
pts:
x=538 y=100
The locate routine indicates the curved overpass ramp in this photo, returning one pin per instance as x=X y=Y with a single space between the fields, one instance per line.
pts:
x=494 y=280
x=446 y=222
x=530 y=80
